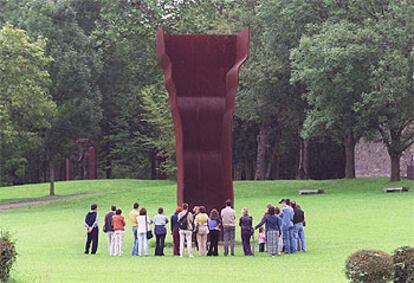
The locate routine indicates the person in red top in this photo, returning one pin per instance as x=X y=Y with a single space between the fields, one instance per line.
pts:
x=118 y=225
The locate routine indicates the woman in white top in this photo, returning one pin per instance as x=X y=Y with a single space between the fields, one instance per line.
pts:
x=160 y=220
x=143 y=228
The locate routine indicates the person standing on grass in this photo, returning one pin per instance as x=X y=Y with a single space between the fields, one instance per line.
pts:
x=196 y=211
x=133 y=215
x=175 y=231
x=246 y=224
x=287 y=225
x=214 y=223
x=160 y=220
x=228 y=216
x=185 y=222
x=91 y=225
x=118 y=225
x=262 y=239
x=201 y=224
x=143 y=228
x=273 y=229
x=280 y=244
x=298 y=230
x=107 y=228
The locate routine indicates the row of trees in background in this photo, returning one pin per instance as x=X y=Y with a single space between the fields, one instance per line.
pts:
x=321 y=75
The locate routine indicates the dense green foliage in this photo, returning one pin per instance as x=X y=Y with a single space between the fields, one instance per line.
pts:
x=26 y=109
x=8 y=255
x=321 y=75
x=351 y=215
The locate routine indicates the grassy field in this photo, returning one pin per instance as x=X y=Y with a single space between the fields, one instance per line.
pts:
x=353 y=214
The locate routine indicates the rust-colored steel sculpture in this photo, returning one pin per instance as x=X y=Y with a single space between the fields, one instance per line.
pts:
x=87 y=154
x=201 y=75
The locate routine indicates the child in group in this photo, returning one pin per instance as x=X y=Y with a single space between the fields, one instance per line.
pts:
x=262 y=240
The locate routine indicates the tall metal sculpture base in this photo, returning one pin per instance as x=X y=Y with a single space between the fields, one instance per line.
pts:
x=201 y=75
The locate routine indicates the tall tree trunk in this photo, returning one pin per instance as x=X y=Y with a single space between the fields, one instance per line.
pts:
x=52 y=178
x=395 y=167
x=248 y=170
x=263 y=146
x=350 y=156
x=275 y=173
x=108 y=168
x=153 y=158
x=238 y=171
x=303 y=166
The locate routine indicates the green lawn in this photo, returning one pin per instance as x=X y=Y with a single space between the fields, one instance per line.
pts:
x=351 y=215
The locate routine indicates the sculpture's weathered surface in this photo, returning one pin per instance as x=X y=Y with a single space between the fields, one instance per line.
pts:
x=201 y=75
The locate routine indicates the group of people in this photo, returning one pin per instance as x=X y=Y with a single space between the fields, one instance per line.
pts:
x=281 y=230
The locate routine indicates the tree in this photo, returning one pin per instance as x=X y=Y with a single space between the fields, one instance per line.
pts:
x=266 y=94
x=74 y=72
x=334 y=63
x=390 y=103
x=25 y=105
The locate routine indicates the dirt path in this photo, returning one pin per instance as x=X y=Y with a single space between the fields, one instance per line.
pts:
x=44 y=200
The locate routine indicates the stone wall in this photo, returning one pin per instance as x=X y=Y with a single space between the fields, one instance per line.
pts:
x=372 y=159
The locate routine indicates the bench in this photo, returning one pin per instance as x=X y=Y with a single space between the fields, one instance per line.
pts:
x=396 y=190
x=311 y=191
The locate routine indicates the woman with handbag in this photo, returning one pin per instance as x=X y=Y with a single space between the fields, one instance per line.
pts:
x=160 y=220
x=201 y=225
x=144 y=233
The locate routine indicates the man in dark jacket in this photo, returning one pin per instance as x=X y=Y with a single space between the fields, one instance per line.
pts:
x=298 y=230
x=91 y=225
x=108 y=229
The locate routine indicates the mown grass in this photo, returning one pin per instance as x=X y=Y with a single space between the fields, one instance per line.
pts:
x=353 y=214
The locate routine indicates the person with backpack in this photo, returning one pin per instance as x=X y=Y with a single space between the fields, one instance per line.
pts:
x=246 y=224
x=185 y=223
x=228 y=216
x=107 y=228
x=91 y=225
x=118 y=225
x=272 y=224
x=175 y=231
x=202 y=230
x=160 y=220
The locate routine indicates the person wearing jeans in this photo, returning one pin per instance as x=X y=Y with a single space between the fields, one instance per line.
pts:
x=133 y=216
x=160 y=220
x=118 y=224
x=107 y=228
x=143 y=228
x=185 y=220
x=287 y=226
x=298 y=231
x=228 y=216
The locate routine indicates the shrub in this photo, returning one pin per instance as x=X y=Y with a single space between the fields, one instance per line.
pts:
x=404 y=265
x=369 y=266
x=7 y=255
